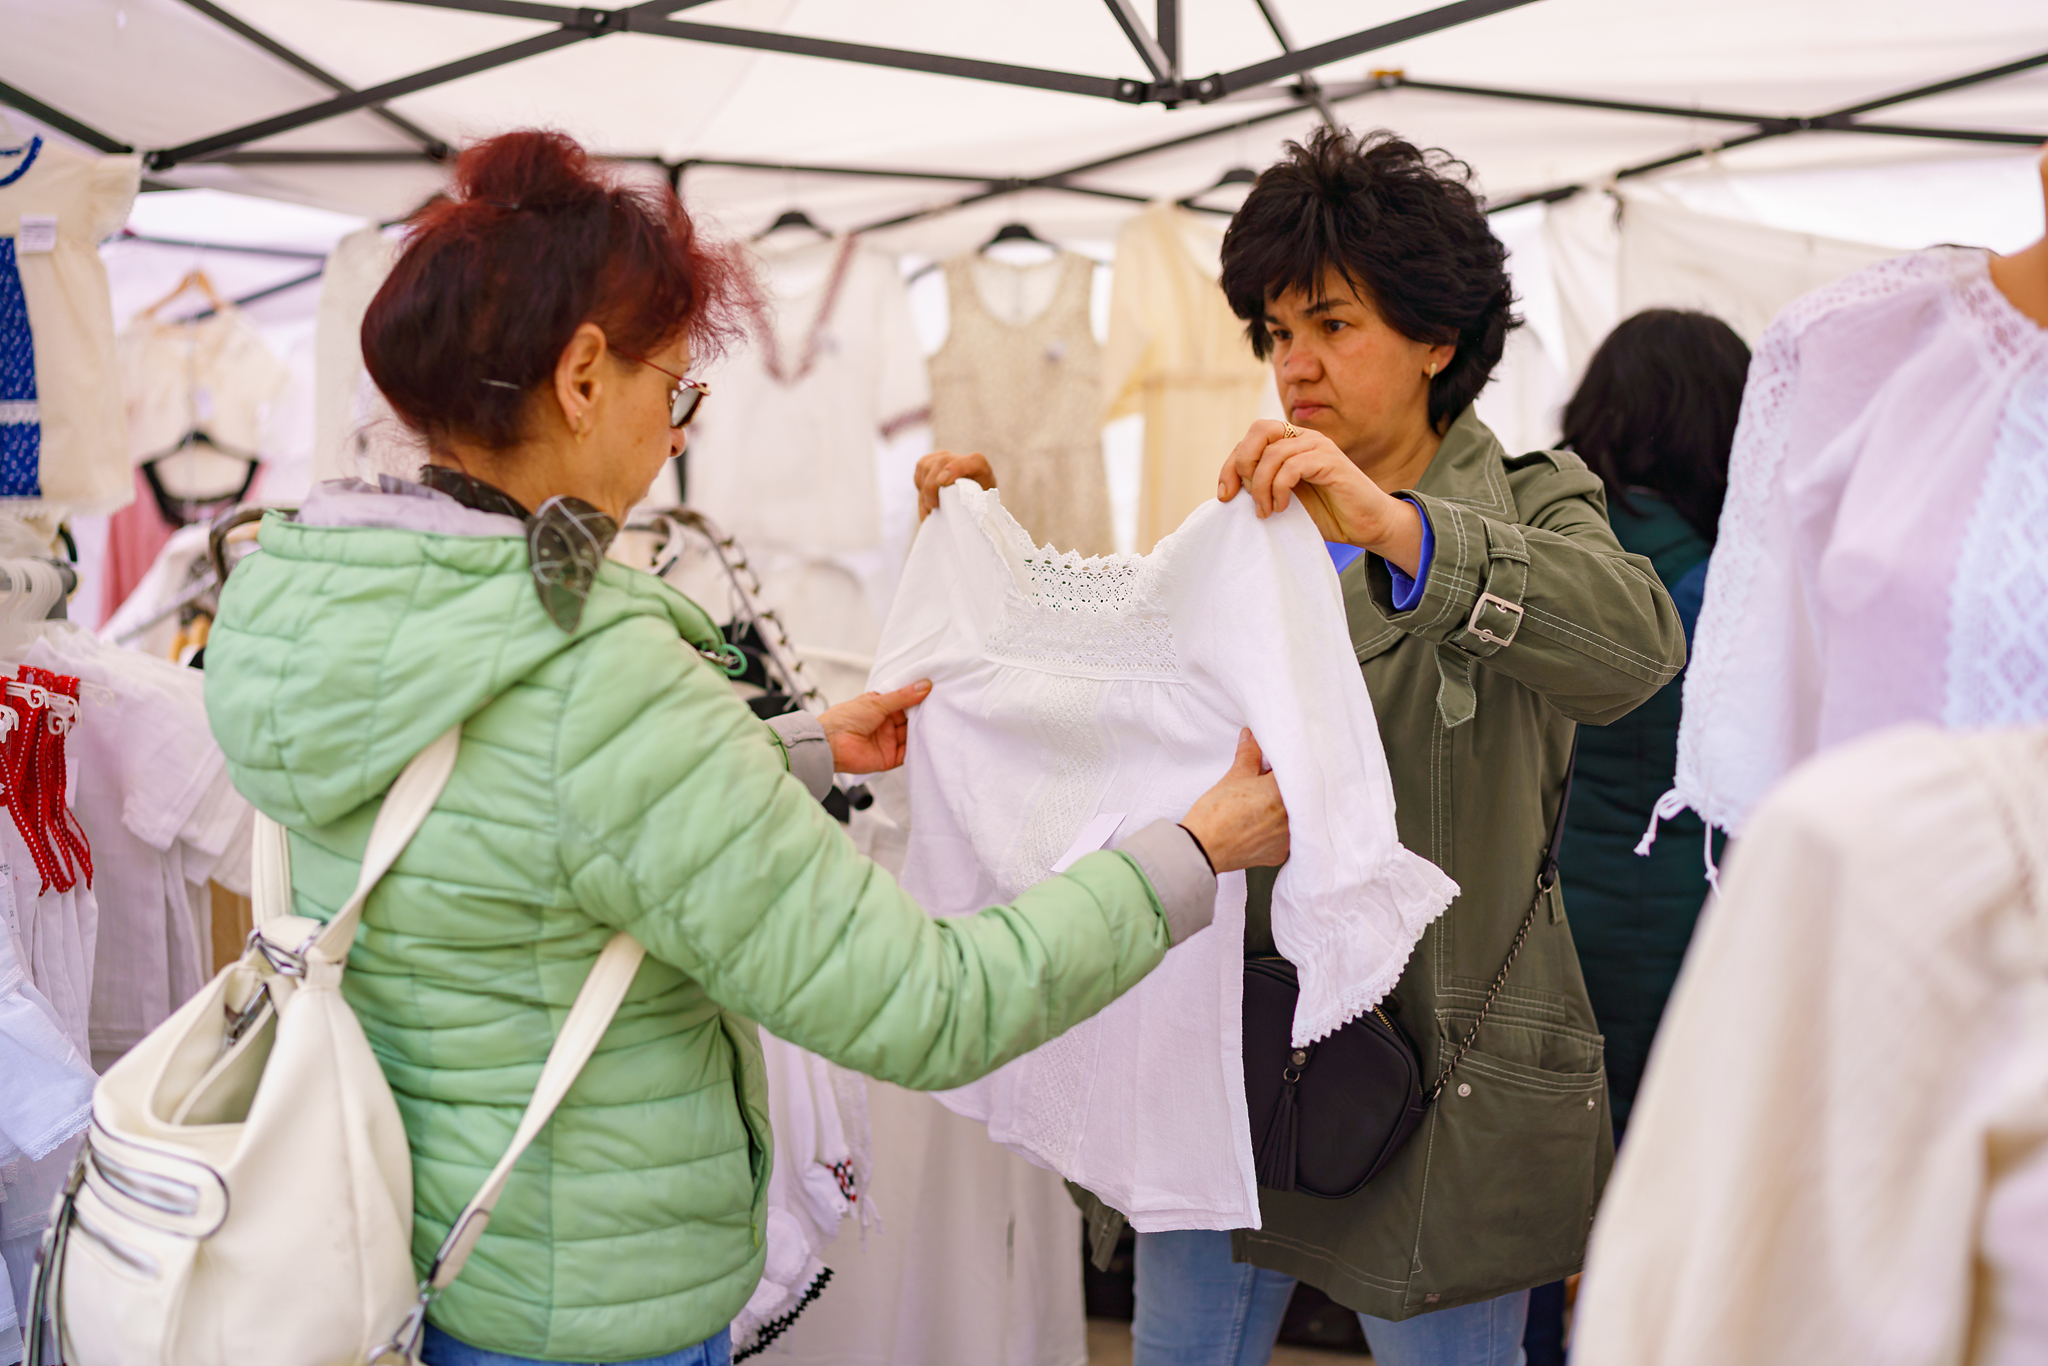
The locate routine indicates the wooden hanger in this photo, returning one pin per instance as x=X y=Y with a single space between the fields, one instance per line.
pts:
x=194 y=279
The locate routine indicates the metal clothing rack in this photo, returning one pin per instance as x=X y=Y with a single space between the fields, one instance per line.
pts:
x=780 y=653
x=13 y=581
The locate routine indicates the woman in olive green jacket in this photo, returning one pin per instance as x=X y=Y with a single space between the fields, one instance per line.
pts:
x=1491 y=612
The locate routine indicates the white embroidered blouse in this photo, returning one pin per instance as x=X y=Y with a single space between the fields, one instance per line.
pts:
x=1883 y=554
x=1070 y=691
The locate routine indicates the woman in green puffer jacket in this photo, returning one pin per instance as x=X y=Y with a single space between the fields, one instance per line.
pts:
x=534 y=333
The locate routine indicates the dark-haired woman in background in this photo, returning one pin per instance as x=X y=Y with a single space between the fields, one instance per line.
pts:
x=1490 y=608
x=1654 y=418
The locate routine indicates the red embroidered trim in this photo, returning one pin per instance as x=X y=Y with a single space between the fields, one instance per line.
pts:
x=764 y=326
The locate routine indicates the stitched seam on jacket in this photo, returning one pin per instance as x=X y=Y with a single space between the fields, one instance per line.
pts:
x=1565 y=625
x=1567 y=632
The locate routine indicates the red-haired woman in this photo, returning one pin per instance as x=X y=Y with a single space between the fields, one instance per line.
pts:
x=536 y=333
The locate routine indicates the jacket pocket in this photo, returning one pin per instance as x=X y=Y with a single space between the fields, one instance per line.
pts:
x=750 y=1094
x=1513 y=1168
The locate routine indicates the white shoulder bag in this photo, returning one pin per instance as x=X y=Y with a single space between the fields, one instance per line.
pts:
x=245 y=1191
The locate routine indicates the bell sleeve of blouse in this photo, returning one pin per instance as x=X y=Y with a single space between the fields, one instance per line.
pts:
x=1264 y=614
x=678 y=826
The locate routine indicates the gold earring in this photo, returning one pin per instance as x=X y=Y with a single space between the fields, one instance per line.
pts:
x=1432 y=369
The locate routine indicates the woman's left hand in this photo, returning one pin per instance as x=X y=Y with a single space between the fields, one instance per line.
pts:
x=870 y=733
x=1345 y=505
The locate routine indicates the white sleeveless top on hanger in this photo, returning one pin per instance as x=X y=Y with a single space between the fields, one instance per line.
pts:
x=1027 y=393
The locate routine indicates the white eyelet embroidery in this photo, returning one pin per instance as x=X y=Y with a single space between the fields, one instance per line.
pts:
x=1094 y=616
x=1761 y=435
x=1998 y=618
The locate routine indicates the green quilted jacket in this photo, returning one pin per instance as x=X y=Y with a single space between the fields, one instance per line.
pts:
x=609 y=780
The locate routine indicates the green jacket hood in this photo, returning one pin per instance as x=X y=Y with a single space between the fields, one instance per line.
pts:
x=370 y=641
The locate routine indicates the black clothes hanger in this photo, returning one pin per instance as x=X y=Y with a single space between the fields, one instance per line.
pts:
x=184 y=509
x=1236 y=175
x=791 y=218
x=1016 y=232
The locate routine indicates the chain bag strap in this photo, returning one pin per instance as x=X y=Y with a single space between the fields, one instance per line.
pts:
x=1546 y=882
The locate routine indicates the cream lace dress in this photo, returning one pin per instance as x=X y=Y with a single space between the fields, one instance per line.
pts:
x=1178 y=355
x=1020 y=382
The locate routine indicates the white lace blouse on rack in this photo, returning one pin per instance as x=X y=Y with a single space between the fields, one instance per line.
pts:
x=1883 y=554
x=1067 y=692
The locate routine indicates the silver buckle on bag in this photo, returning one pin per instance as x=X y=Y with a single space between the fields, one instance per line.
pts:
x=1472 y=626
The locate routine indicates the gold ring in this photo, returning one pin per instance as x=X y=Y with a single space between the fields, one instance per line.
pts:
x=1288 y=431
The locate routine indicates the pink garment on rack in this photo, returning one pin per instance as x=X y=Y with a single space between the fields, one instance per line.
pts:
x=135 y=535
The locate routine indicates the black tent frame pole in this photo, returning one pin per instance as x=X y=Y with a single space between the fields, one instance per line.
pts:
x=577 y=26
x=1311 y=89
x=431 y=145
x=59 y=120
x=650 y=17
x=1058 y=180
x=1837 y=121
x=1150 y=51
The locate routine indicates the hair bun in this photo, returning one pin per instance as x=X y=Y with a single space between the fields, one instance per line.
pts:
x=530 y=169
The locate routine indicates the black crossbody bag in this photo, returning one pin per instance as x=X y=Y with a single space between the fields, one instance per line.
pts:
x=1325 y=1119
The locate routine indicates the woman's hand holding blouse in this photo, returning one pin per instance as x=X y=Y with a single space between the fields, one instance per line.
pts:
x=870 y=733
x=1347 y=505
x=941 y=468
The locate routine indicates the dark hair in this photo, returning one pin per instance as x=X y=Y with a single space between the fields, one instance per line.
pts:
x=1406 y=230
x=1657 y=411
x=533 y=242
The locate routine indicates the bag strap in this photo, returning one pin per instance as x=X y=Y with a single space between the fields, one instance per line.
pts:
x=1546 y=881
x=597 y=1002
x=405 y=809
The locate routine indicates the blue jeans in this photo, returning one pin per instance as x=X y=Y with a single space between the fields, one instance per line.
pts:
x=443 y=1350
x=1196 y=1307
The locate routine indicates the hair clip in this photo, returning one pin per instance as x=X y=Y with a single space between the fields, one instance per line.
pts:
x=502 y=384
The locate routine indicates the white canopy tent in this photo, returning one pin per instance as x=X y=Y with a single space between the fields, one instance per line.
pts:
x=345 y=103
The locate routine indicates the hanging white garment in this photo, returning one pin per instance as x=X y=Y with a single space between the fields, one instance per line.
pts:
x=44 y=1104
x=60 y=397
x=1066 y=691
x=349 y=413
x=784 y=454
x=153 y=795
x=214 y=375
x=977 y=1261
x=1885 y=533
x=1671 y=256
x=1178 y=355
x=823 y=1167
x=172 y=573
x=1840 y=1150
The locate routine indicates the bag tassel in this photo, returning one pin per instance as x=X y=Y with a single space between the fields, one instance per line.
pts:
x=1275 y=1165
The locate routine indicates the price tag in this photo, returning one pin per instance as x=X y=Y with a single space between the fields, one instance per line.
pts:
x=38 y=234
